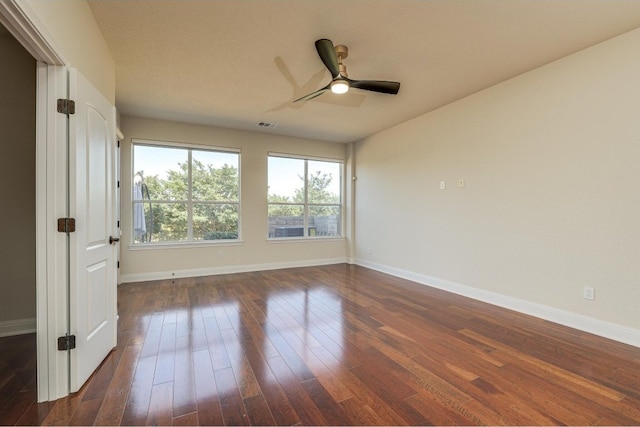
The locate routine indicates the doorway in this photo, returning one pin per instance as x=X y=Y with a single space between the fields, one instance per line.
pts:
x=18 y=246
x=67 y=141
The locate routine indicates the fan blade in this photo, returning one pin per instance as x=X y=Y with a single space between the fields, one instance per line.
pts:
x=314 y=94
x=376 y=86
x=328 y=55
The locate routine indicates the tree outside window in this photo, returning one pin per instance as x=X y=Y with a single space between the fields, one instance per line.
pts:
x=304 y=198
x=184 y=195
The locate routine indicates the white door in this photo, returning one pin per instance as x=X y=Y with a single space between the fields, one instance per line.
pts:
x=92 y=293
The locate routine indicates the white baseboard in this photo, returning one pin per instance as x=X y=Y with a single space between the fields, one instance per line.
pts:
x=580 y=322
x=213 y=271
x=10 y=328
x=577 y=321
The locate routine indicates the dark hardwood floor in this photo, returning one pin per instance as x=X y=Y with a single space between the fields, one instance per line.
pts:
x=17 y=377
x=336 y=345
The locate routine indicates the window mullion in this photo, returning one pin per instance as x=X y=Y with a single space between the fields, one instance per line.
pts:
x=306 y=200
x=189 y=196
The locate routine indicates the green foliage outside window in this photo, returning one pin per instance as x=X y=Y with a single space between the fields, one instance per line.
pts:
x=213 y=208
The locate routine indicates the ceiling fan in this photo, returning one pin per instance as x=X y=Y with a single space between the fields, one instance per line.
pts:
x=340 y=82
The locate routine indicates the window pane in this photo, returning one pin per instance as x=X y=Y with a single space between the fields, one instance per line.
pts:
x=304 y=193
x=325 y=221
x=215 y=221
x=286 y=220
x=215 y=176
x=159 y=222
x=286 y=180
x=161 y=172
x=324 y=182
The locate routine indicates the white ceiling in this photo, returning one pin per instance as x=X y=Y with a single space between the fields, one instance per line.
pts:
x=234 y=63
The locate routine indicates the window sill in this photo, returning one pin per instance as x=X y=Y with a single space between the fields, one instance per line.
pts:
x=278 y=240
x=185 y=245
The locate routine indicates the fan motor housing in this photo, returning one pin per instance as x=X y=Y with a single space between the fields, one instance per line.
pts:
x=342 y=51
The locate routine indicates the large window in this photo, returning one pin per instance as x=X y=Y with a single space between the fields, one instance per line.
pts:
x=305 y=197
x=183 y=194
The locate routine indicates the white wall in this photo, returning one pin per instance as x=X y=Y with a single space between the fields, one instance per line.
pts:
x=551 y=202
x=18 y=189
x=255 y=252
x=71 y=29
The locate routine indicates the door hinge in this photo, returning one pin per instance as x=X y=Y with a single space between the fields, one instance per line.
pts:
x=66 y=225
x=118 y=264
x=68 y=342
x=66 y=106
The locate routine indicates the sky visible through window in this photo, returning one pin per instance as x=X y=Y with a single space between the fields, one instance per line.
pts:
x=284 y=175
x=159 y=160
x=283 y=172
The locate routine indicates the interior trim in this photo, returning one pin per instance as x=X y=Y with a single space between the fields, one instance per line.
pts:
x=9 y=328
x=24 y=26
x=227 y=269
x=580 y=322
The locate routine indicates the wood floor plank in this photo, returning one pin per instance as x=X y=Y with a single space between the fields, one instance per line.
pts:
x=160 y=404
x=217 y=350
x=187 y=420
x=137 y=406
x=280 y=406
x=330 y=345
x=245 y=378
x=208 y=407
x=165 y=362
x=184 y=391
x=63 y=410
x=16 y=407
x=152 y=337
x=258 y=411
x=395 y=393
x=297 y=366
x=86 y=412
x=358 y=413
x=588 y=386
x=36 y=414
x=233 y=410
x=448 y=413
x=307 y=410
x=115 y=399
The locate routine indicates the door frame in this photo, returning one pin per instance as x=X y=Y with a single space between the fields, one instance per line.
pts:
x=51 y=196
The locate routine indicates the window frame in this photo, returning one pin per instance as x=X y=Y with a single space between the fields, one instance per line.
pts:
x=306 y=204
x=189 y=203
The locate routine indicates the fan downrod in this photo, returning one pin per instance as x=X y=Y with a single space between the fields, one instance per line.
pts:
x=342 y=51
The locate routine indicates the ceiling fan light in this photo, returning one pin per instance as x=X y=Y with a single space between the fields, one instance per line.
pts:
x=339 y=86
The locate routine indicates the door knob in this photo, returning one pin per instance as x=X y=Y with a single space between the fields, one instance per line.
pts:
x=112 y=240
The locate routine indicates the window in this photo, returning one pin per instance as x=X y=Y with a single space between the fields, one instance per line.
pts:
x=304 y=197
x=183 y=194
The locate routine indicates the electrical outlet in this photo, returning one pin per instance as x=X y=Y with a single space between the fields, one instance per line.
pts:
x=442 y=185
x=369 y=251
x=589 y=293
x=220 y=254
